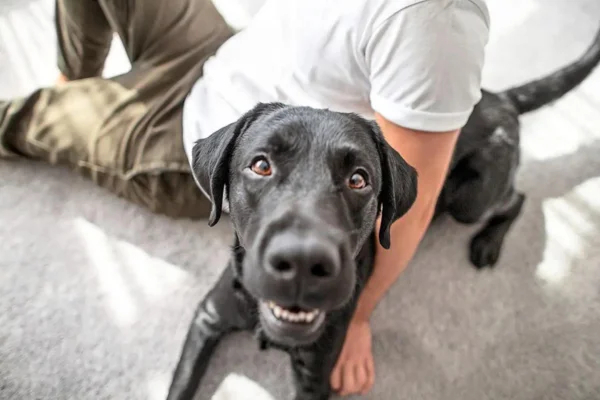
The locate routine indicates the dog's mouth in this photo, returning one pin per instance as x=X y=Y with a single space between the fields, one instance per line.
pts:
x=291 y=326
x=293 y=314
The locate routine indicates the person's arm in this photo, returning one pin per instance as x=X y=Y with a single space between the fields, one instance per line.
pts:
x=430 y=154
x=425 y=64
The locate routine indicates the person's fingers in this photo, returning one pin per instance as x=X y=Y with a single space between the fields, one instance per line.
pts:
x=370 y=372
x=360 y=373
x=336 y=377
x=348 y=380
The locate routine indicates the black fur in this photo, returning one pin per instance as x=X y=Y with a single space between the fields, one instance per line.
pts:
x=307 y=193
x=480 y=185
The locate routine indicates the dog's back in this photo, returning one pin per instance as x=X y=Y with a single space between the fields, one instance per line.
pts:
x=481 y=182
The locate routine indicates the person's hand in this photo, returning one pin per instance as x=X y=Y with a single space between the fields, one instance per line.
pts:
x=354 y=372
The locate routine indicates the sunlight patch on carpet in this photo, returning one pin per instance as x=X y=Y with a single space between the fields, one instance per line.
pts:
x=157 y=386
x=239 y=387
x=125 y=271
x=108 y=271
x=156 y=278
x=572 y=227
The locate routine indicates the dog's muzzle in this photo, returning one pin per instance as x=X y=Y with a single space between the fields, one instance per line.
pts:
x=302 y=270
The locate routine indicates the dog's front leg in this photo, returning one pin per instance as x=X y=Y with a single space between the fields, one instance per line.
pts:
x=226 y=308
x=487 y=243
x=312 y=366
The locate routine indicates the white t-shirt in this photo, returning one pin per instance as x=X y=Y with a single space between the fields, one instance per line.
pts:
x=418 y=63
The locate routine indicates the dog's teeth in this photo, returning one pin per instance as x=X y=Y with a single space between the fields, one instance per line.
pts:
x=290 y=316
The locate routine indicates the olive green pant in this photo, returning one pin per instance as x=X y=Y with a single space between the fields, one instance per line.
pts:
x=124 y=133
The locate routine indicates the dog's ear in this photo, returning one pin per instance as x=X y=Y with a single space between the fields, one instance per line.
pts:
x=211 y=157
x=399 y=185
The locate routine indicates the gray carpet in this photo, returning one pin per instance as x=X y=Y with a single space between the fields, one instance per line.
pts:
x=96 y=294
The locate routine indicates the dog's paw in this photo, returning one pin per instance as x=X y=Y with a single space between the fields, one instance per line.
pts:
x=485 y=250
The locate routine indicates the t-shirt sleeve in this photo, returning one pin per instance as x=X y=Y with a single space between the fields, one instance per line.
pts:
x=425 y=64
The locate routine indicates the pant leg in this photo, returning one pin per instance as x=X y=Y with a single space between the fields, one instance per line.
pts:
x=167 y=43
x=87 y=125
x=84 y=38
x=126 y=133
x=159 y=32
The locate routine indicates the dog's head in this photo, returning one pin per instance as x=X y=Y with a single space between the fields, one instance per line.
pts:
x=304 y=188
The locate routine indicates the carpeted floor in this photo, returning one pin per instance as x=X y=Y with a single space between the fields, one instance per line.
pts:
x=96 y=294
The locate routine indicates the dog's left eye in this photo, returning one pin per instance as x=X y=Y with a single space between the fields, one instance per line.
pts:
x=261 y=166
x=357 y=181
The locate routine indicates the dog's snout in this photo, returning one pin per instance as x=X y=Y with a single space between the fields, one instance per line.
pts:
x=309 y=258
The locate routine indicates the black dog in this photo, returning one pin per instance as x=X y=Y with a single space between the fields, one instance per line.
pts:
x=304 y=190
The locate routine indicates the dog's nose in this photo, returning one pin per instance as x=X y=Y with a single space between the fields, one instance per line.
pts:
x=293 y=256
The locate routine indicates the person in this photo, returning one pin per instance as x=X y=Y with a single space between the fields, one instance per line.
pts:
x=414 y=66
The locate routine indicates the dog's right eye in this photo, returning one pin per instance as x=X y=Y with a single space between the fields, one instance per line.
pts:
x=261 y=166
